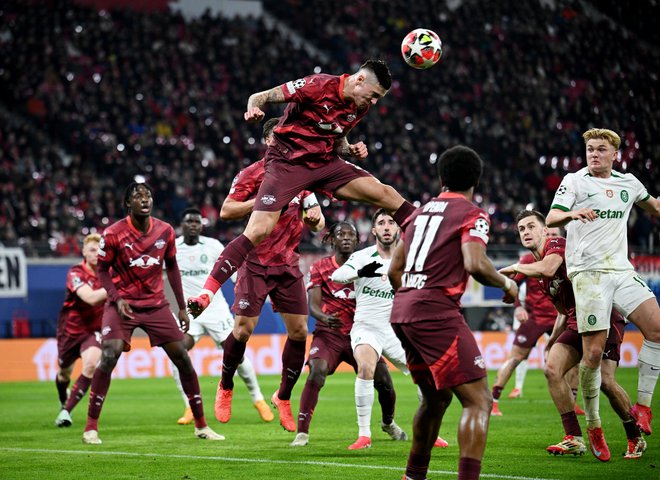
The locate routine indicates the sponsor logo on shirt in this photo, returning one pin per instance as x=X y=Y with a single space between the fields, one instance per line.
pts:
x=351 y=117
x=144 y=261
x=194 y=273
x=313 y=350
x=378 y=293
x=608 y=213
x=107 y=329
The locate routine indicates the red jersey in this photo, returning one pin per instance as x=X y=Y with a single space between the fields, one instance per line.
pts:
x=538 y=303
x=559 y=288
x=434 y=277
x=77 y=316
x=137 y=260
x=281 y=246
x=317 y=115
x=337 y=299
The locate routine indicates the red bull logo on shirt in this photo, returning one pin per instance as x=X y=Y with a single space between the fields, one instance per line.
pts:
x=144 y=261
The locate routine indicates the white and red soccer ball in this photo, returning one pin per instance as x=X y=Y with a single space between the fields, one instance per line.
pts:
x=421 y=48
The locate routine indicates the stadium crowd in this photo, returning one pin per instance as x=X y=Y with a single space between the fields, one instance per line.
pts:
x=89 y=99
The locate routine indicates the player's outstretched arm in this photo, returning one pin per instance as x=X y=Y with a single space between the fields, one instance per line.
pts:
x=559 y=218
x=254 y=112
x=651 y=205
x=90 y=296
x=477 y=264
x=234 y=210
x=546 y=267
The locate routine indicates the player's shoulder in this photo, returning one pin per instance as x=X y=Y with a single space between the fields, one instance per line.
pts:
x=210 y=242
x=554 y=243
x=119 y=226
x=368 y=252
x=526 y=258
x=78 y=268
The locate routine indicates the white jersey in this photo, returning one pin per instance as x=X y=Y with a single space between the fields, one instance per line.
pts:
x=600 y=245
x=195 y=263
x=373 y=296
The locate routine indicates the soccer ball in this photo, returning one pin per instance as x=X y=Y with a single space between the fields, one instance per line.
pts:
x=421 y=48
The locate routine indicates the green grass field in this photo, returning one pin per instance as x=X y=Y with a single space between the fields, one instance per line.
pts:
x=141 y=439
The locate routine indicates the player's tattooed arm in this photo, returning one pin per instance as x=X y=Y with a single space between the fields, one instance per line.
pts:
x=274 y=95
x=355 y=150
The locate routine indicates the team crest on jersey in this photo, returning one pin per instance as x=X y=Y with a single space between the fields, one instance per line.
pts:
x=268 y=199
x=107 y=329
x=479 y=362
x=160 y=243
x=313 y=350
x=521 y=338
x=624 y=195
x=609 y=193
x=243 y=303
x=204 y=258
x=351 y=117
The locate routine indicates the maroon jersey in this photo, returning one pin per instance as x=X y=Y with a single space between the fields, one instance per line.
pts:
x=434 y=277
x=539 y=305
x=281 y=246
x=559 y=288
x=336 y=298
x=317 y=115
x=78 y=317
x=137 y=260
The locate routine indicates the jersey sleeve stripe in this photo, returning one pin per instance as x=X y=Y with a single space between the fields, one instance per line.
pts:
x=560 y=207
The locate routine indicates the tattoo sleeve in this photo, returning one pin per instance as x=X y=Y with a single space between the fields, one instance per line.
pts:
x=341 y=148
x=274 y=95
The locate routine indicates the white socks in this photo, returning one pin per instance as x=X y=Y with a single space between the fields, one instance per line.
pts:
x=246 y=372
x=521 y=371
x=649 y=367
x=364 y=400
x=590 y=381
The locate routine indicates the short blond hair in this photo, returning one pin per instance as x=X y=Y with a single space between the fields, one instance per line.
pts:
x=92 y=237
x=604 y=134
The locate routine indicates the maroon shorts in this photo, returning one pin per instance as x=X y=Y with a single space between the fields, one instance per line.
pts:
x=529 y=332
x=333 y=347
x=442 y=353
x=612 y=350
x=284 y=180
x=284 y=284
x=69 y=348
x=158 y=323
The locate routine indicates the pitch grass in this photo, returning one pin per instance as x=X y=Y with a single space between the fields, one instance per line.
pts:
x=142 y=441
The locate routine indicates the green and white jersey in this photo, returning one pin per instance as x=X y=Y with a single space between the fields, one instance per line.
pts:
x=373 y=296
x=195 y=264
x=600 y=245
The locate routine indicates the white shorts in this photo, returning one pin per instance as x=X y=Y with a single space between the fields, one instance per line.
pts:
x=596 y=293
x=216 y=321
x=383 y=340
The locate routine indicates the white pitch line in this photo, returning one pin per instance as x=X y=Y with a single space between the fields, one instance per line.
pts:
x=254 y=460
